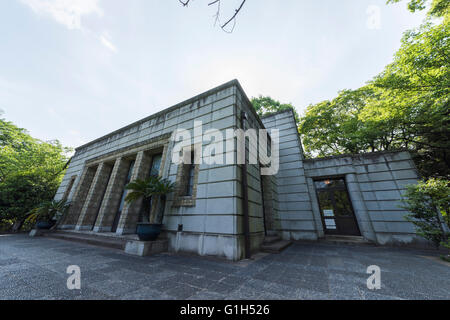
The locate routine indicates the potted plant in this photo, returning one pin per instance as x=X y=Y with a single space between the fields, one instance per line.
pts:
x=44 y=214
x=153 y=192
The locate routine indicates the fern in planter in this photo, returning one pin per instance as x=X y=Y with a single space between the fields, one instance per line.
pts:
x=152 y=190
x=44 y=214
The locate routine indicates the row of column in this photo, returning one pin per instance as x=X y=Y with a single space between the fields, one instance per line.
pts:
x=97 y=198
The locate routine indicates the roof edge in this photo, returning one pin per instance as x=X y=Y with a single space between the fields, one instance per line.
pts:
x=268 y=115
x=226 y=85
x=357 y=154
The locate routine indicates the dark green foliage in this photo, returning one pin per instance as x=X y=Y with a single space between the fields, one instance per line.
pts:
x=407 y=106
x=48 y=210
x=30 y=172
x=424 y=201
x=153 y=187
x=438 y=8
x=265 y=105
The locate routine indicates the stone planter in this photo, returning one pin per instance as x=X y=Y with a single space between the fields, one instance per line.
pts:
x=148 y=231
x=44 y=225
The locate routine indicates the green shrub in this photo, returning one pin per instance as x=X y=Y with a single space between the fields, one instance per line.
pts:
x=424 y=201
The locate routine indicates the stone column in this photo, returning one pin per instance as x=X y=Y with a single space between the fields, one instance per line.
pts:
x=130 y=213
x=166 y=157
x=361 y=214
x=79 y=198
x=112 y=197
x=94 y=197
x=315 y=208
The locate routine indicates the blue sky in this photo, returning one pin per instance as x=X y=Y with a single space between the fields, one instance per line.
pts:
x=75 y=70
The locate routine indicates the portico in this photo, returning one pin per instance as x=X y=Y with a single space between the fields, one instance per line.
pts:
x=99 y=204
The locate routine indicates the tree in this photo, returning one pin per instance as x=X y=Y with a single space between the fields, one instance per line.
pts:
x=405 y=106
x=438 y=8
x=335 y=127
x=265 y=105
x=415 y=92
x=429 y=205
x=30 y=171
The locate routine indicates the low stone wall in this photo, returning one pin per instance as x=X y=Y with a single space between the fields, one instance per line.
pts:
x=376 y=183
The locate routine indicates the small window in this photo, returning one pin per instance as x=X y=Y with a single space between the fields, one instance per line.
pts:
x=186 y=183
x=156 y=164
x=189 y=176
x=190 y=182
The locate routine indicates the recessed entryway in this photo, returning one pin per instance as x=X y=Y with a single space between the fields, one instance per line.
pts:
x=336 y=210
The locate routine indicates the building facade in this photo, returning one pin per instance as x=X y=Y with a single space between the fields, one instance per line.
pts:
x=226 y=208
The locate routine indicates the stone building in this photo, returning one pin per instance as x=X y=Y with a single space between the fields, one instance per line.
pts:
x=229 y=209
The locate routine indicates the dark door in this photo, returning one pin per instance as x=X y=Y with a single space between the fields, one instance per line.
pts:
x=335 y=207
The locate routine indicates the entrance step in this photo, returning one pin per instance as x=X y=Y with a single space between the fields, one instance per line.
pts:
x=271 y=233
x=271 y=239
x=275 y=245
x=146 y=248
x=99 y=239
x=355 y=240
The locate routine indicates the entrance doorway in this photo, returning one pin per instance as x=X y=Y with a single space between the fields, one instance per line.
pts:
x=336 y=209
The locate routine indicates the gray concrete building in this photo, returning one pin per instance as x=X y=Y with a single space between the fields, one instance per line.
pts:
x=229 y=209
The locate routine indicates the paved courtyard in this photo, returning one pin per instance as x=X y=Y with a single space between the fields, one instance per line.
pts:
x=35 y=268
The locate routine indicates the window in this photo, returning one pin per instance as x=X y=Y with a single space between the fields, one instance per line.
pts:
x=156 y=164
x=186 y=183
x=190 y=168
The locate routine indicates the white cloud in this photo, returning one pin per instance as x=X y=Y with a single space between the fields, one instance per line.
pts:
x=66 y=12
x=107 y=43
x=69 y=13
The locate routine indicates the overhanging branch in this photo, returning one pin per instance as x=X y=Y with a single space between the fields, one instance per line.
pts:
x=232 y=19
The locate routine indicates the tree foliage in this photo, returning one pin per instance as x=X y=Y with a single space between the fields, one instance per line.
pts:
x=405 y=106
x=438 y=8
x=336 y=127
x=425 y=201
x=146 y=189
x=30 y=171
x=265 y=105
x=48 y=210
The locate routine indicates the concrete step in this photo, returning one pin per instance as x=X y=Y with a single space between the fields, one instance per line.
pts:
x=103 y=241
x=351 y=240
x=271 y=239
x=275 y=247
x=271 y=233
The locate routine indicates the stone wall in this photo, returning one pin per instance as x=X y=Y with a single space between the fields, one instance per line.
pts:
x=254 y=182
x=295 y=219
x=210 y=222
x=210 y=227
x=375 y=182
